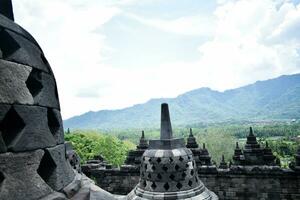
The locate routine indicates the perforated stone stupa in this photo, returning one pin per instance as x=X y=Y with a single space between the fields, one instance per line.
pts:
x=168 y=169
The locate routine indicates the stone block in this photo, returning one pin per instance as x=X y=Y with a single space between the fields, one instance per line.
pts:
x=23 y=51
x=25 y=128
x=22 y=84
x=21 y=180
x=13 y=88
x=55 y=169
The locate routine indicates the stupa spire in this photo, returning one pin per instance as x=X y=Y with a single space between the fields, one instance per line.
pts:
x=6 y=9
x=165 y=125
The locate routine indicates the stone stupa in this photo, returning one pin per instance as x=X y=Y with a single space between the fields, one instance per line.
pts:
x=168 y=169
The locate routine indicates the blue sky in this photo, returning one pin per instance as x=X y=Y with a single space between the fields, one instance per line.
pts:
x=112 y=54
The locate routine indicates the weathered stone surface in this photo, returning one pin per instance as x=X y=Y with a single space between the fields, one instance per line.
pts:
x=26 y=128
x=55 y=169
x=27 y=53
x=23 y=85
x=71 y=189
x=55 y=196
x=21 y=180
x=13 y=88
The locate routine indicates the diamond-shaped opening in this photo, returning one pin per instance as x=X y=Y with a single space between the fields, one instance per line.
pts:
x=149 y=175
x=146 y=166
x=34 y=82
x=144 y=183
x=179 y=185
x=171 y=159
x=143 y=158
x=181 y=159
x=190 y=183
x=153 y=186
x=165 y=168
x=183 y=175
x=142 y=174
x=177 y=167
x=2 y=177
x=53 y=122
x=196 y=179
x=47 y=167
x=11 y=126
x=172 y=177
x=158 y=160
x=189 y=157
x=159 y=176
x=8 y=44
x=166 y=186
x=153 y=168
x=187 y=165
x=192 y=172
x=149 y=160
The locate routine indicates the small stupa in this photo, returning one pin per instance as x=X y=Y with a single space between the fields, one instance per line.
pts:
x=168 y=169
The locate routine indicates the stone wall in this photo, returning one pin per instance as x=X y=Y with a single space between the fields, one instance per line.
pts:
x=253 y=182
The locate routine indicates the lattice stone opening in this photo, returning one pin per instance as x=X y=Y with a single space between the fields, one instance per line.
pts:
x=171 y=160
x=165 y=168
x=166 y=186
x=144 y=183
x=47 y=167
x=159 y=176
x=53 y=122
x=190 y=183
x=179 y=185
x=34 y=82
x=177 y=167
x=172 y=176
x=11 y=127
x=158 y=160
x=183 y=175
x=192 y=172
x=153 y=186
x=8 y=44
x=2 y=177
x=153 y=168
x=180 y=159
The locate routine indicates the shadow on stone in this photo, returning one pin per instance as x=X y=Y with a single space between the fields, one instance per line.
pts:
x=8 y=45
x=47 y=167
x=34 y=82
x=11 y=127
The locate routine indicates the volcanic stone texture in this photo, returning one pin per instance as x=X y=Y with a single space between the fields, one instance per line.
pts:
x=25 y=128
x=19 y=178
x=54 y=168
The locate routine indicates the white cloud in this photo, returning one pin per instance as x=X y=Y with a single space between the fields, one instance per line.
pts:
x=250 y=40
x=197 y=25
x=244 y=47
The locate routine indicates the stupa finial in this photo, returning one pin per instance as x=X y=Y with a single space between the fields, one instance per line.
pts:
x=165 y=125
x=191 y=133
x=6 y=9
x=143 y=135
x=251 y=132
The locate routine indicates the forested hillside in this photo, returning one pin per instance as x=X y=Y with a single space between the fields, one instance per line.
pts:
x=274 y=99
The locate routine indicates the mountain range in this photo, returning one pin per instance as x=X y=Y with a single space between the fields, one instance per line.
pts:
x=273 y=99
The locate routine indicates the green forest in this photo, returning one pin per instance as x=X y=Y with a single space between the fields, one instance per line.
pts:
x=219 y=139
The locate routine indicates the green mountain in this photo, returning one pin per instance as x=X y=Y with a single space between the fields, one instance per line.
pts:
x=274 y=99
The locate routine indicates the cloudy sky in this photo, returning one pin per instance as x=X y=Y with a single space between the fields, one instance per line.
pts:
x=110 y=54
